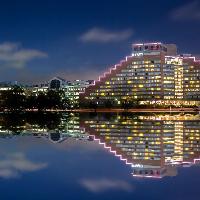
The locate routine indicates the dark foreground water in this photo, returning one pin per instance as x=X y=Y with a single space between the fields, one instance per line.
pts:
x=100 y=157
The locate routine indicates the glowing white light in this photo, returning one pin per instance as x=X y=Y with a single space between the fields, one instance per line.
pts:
x=137 y=165
x=146 y=176
x=137 y=54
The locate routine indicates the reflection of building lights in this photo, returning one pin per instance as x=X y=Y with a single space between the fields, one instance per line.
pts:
x=152 y=145
x=146 y=176
x=109 y=148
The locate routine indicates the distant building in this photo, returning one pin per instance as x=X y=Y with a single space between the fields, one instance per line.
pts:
x=153 y=73
x=37 y=88
x=57 y=83
x=7 y=85
x=73 y=89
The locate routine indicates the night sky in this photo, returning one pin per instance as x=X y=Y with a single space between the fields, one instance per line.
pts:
x=80 y=39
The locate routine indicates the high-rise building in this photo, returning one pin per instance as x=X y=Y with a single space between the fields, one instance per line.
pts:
x=154 y=73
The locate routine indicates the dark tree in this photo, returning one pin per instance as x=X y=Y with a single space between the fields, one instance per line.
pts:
x=41 y=101
x=53 y=99
x=13 y=99
x=108 y=104
x=31 y=102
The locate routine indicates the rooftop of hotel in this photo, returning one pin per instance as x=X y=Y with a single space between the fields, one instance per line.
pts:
x=169 y=49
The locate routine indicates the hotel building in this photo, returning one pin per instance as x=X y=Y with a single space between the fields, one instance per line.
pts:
x=154 y=73
x=152 y=145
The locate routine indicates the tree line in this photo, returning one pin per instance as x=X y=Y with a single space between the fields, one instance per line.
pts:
x=16 y=99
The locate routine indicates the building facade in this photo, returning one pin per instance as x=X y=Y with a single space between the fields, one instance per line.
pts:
x=73 y=89
x=154 y=73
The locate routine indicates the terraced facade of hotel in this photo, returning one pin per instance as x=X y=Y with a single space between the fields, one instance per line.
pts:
x=153 y=73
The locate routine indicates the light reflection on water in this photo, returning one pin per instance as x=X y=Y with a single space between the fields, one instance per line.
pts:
x=97 y=154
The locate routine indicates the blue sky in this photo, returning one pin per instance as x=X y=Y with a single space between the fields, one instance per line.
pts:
x=80 y=39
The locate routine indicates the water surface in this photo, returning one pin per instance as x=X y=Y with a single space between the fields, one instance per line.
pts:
x=102 y=156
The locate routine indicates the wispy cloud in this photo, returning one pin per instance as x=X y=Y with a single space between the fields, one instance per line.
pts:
x=13 y=164
x=12 y=55
x=189 y=11
x=101 y=185
x=104 y=36
x=79 y=74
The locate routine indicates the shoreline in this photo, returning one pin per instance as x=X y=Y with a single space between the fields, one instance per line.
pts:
x=136 y=110
x=113 y=110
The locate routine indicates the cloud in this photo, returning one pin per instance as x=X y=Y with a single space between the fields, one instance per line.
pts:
x=13 y=164
x=12 y=55
x=81 y=74
x=102 y=185
x=105 y=36
x=190 y=11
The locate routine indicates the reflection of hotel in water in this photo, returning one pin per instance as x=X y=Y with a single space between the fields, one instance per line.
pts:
x=153 y=146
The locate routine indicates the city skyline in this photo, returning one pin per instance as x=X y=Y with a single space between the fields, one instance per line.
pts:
x=41 y=40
